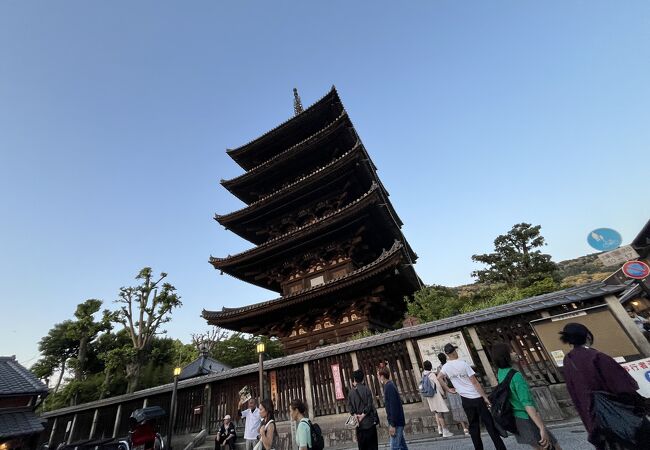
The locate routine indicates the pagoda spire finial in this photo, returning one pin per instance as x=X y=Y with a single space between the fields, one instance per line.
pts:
x=297 y=103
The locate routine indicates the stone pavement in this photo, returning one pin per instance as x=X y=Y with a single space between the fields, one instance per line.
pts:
x=571 y=436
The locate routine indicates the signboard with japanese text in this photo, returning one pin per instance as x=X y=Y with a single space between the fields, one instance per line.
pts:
x=431 y=346
x=338 y=383
x=274 y=386
x=640 y=371
x=618 y=256
x=614 y=342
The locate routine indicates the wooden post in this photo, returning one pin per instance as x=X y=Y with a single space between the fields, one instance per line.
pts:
x=309 y=399
x=50 y=442
x=628 y=325
x=207 y=406
x=118 y=416
x=74 y=423
x=355 y=361
x=412 y=356
x=93 y=427
x=489 y=373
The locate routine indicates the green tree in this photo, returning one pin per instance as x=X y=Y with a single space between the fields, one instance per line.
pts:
x=433 y=302
x=239 y=349
x=516 y=260
x=145 y=308
x=57 y=347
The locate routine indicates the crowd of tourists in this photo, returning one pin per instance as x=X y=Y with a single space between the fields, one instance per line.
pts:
x=603 y=393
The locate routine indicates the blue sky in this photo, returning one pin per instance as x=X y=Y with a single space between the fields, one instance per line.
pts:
x=115 y=117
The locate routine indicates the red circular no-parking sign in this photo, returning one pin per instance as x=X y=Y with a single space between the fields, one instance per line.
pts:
x=636 y=269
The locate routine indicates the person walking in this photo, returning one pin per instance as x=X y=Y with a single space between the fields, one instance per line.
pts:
x=297 y=412
x=227 y=435
x=455 y=403
x=475 y=401
x=530 y=426
x=586 y=370
x=268 y=433
x=437 y=403
x=252 y=425
x=394 y=410
x=361 y=405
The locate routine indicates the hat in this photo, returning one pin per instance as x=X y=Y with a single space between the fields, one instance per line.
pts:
x=449 y=348
x=226 y=417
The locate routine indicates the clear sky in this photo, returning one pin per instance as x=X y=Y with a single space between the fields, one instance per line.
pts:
x=115 y=117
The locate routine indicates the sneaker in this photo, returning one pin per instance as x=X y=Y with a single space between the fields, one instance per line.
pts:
x=447 y=433
x=439 y=431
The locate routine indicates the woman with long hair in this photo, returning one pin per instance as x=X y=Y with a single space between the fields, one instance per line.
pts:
x=268 y=432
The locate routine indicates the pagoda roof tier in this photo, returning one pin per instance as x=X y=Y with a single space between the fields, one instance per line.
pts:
x=236 y=318
x=289 y=132
x=245 y=221
x=249 y=263
x=335 y=137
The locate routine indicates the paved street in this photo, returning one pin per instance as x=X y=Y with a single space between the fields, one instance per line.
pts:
x=571 y=437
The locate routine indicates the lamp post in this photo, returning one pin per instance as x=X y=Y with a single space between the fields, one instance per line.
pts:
x=260 y=351
x=172 y=413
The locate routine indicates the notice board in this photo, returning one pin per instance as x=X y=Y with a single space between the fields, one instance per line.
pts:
x=609 y=336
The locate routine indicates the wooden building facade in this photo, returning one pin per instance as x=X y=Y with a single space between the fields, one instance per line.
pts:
x=326 y=237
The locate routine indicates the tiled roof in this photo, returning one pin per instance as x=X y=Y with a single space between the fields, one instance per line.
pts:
x=285 y=153
x=365 y=198
x=203 y=365
x=307 y=293
x=19 y=423
x=235 y=151
x=16 y=380
x=532 y=304
x=332 y=165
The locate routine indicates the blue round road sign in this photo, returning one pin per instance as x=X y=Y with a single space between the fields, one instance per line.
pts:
x=605 y=239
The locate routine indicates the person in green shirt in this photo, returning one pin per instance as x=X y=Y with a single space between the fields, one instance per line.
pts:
x=530 y=426
x=297 y=410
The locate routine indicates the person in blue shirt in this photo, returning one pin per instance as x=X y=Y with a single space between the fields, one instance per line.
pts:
x=394 y=410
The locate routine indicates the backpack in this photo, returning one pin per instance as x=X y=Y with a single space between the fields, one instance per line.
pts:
x=317 y=441
x=501 y=409
x=427 y=389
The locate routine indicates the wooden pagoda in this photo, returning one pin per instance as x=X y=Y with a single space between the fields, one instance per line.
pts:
x=326 y=237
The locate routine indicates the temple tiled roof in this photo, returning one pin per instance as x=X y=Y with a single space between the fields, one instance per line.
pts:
x=366 y=199
x=388 y=259
x=288 y=153
x=17 y=380
x=14 y=424
x=238 y=152
x=278 y=194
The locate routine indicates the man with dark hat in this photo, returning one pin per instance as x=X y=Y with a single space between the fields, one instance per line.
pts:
x=475 y=401
x=361 y=405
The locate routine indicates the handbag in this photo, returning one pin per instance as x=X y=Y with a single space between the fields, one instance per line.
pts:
x=351 y=422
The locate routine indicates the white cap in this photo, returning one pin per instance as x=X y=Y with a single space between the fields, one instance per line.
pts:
x=226 y=417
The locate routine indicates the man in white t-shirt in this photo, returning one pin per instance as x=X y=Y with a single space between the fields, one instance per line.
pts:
x=253 y=422
x=475 y=401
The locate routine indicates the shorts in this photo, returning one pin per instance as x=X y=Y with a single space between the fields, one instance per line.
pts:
x=528 y=433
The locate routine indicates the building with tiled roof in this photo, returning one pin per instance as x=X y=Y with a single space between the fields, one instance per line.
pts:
x=20 y=393
x=325 y=235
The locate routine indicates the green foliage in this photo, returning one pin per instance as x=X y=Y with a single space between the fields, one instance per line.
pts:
x=363 y=334
x=144 y=309
x=515 y=260
x=239 y=349
x=433 y=303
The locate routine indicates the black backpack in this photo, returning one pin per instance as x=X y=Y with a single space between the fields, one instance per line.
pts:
x=501 y=409
x=317 y=441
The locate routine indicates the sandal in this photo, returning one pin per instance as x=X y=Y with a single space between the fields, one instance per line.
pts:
x=466 y=431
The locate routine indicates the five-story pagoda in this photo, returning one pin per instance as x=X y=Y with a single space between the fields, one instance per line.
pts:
x=326 y=237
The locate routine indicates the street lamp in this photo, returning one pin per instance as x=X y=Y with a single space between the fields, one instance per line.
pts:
x=260 y=351
x=172 y=413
